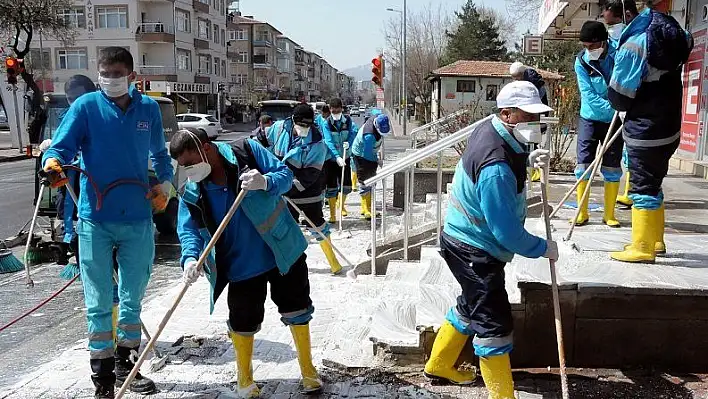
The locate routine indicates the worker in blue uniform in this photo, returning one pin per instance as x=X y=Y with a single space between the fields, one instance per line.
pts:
x=117 y=130
x=366 y=155
x=260 y=133
x=339 y=131
x=593 y=67
x=483 y=230
x=261 y=245
x=646 y=85
x=297 y=142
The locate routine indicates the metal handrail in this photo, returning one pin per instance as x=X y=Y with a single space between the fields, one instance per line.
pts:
x=436 y=122
x=419 y=155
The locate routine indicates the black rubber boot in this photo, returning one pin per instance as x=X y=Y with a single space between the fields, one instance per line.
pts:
x=103 y=378
x=124 y=364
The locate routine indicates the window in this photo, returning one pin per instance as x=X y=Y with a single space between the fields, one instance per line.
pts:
x=223 y=68
x=112 y=17
x=204 y=65
x=74 y=17
x=492 y=91
x=191 y=118
x=217 y=66
x=465 y=86
x=72 y=59
x=204 y=29
x=211 y=119
x=35 y=61
x=240 y=79
x=239 y=34
x=242 y=57
x=263 y=36
x=216 y=33
x=184 y=60
x=223 y=37
x=183 y=21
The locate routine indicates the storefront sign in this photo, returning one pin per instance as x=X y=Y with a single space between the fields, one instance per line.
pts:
x=693 y=76
x=89 y=19
x=196 y=88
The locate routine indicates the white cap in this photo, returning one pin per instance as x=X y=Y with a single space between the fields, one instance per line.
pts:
x=522 y=95
x=517 y=68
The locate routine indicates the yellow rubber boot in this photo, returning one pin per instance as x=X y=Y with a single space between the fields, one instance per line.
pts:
x=332 y=210
x=624 y=198
x=660 y=246
x=343 y=203
x=496 y=373
x=366 y=206
x=355 y=180
x=311 y=382
x=243 y=347
x=334 y=265
x=611 y=189
x=645 y=230
x=446 y=349
x=583 y=216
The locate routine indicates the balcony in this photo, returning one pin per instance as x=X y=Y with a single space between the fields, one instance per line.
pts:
x=262 y=42
x=155 y=32
x=157 y=72
x=299 y=61
x=281 y=50
x=260 y=61
x=200 y=7
x=201 y=44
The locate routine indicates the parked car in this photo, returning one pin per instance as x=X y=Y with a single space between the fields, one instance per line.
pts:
x=204 y=122
x=354 y=111
x=165 y=221
x=362 y=109
x=3 y=120
x=278 y=109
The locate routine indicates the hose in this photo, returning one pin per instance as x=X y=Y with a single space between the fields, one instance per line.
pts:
x=101 y=194
x=34 y=309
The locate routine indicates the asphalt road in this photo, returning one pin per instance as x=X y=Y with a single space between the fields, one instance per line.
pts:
x=16 y=195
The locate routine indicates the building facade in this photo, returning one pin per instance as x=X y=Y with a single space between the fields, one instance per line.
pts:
x=178 y=47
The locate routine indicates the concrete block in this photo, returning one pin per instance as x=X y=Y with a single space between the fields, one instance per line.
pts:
x=653 y=304
x=425 y=183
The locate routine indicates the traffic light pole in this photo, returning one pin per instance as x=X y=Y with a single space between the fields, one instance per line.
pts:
x=403 y=73
x=17 y=116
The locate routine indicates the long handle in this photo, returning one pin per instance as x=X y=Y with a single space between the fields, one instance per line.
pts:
x=168 y=315
x=341 y=195
x=597 y=160
x=28 y=278
x=319 y=231
x=554 y=288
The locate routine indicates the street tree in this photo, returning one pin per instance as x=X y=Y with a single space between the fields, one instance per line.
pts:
x=476 y=37
x=426 y=43
x=22 y=22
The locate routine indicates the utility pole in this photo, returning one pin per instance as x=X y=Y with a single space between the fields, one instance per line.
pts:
x=403 y=73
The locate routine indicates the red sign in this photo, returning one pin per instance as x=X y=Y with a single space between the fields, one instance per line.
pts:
x=692 y=86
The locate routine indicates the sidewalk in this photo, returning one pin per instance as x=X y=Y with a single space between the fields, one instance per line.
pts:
x=397 y=127
x=11 y=155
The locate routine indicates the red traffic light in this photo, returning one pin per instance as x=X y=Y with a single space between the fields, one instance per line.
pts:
x=13 y=68
x=377 y=70
x=10 y=62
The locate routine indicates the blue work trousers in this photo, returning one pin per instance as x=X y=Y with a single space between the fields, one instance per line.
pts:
x=590 y=136
x=135 y=250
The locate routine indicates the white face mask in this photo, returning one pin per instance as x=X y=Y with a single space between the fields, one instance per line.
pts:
x=302 y=131
x=114 y=87
x=337 y=117
x=200 y=171
x=615 y=31
x=528 y=132
x=595 y=54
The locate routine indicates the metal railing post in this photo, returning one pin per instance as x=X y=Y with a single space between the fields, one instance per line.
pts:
x=373 y=230
x=438 y=214
x=406 y=213
x=383 y=193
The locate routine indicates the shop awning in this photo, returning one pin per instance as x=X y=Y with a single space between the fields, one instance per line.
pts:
x=550 y=10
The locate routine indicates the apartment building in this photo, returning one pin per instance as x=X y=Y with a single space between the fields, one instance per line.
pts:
x=179 y=46
x=266 y=64
x=252 y=55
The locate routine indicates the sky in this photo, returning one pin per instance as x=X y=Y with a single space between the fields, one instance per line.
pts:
x=346 y=33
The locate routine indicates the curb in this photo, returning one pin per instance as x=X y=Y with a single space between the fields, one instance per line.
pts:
x=13 y=158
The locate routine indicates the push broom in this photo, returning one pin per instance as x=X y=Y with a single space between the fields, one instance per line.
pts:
x=180 y=295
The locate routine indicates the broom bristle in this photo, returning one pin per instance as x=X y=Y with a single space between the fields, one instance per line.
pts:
x=9 y=262
x=69 y=271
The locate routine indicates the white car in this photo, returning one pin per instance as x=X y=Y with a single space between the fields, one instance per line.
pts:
x=204 y=122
